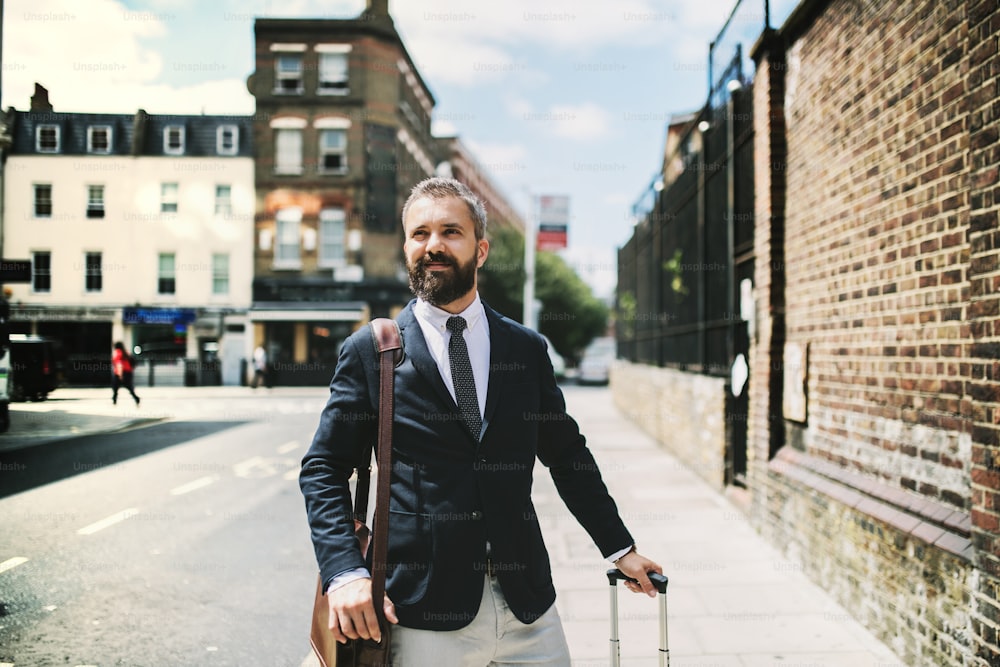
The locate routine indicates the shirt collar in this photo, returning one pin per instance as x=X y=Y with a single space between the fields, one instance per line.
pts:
x=438 y=317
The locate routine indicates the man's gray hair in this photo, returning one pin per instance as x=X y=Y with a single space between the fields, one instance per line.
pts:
x=439 y=188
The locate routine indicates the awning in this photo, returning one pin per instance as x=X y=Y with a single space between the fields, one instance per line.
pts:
x=309 y=311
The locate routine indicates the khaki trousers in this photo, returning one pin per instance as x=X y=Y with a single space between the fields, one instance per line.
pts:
x=494 y=638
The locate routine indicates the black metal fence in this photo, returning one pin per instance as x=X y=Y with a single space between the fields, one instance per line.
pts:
x=679 y=274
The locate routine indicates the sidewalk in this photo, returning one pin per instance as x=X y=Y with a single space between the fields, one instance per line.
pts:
x=733 y=600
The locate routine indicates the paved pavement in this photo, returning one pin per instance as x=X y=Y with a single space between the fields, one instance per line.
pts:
x=734 y=600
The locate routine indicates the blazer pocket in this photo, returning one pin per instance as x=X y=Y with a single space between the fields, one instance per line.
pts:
x=411 y=549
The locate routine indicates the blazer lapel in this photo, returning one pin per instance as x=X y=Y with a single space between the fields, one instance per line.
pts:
x=499 y=351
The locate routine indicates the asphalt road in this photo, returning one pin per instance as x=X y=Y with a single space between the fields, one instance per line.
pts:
x=183 y=543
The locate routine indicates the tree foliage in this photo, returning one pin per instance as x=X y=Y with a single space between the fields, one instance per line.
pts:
x=571 y=316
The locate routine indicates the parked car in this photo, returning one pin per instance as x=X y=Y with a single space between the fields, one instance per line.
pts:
x=558 y=363
x=595 y=364
x=35 y=367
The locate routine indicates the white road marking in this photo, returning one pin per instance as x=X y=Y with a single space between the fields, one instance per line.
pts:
x=288 y=447
x=10 y=564
x=6 y=664
x=194 y=485
x=292 y=474
x=310 y=661
x=109 y=521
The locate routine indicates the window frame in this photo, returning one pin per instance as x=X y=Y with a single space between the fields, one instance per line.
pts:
x=95 y=207
x=323 y=151
x=220 y=274
x=279 y=166
x=57 y=137
x=166 y=279
x=38 y=275
x=165 y=201
x=329 y=216
x=280 y=76
x=36 y=200
x=287 y=224
x=337 y=86
x=93 y=281
x=224 y=205
x=92 y=130
x=220 y=134
x=167 y=148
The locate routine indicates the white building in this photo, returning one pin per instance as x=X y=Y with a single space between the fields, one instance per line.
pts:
x=140 y=229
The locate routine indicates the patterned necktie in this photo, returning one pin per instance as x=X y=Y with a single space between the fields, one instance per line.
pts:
x=461 y=376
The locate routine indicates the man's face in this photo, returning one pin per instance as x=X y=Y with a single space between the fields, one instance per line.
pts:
x=442 y=253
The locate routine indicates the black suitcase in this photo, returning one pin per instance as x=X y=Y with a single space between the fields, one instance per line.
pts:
x=660 y=581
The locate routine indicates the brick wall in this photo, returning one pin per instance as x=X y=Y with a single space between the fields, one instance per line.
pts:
x=683 y=411
x=888 y=261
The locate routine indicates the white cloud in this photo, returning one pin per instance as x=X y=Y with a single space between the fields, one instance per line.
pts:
x=463 y=43
x=583 y=122
x=101 y=64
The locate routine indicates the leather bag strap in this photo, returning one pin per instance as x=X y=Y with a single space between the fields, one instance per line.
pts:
x=389 y=345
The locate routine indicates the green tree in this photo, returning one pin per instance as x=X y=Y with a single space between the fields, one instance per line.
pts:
x=571 y=316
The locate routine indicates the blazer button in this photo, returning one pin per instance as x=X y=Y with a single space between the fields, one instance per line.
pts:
x=477 y=515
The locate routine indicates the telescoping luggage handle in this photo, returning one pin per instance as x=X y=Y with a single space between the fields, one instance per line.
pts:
x=660 y=581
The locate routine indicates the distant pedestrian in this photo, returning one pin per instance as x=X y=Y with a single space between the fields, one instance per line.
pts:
x=260 y=368
x=122 y=371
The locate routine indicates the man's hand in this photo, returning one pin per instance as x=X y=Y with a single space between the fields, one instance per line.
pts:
x=636 y=566
x=352 y=614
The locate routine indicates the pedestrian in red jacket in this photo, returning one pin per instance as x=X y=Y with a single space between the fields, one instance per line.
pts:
x=122 y=368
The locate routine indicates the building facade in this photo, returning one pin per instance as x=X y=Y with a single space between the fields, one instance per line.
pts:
x=139 y=229
x=343 y=132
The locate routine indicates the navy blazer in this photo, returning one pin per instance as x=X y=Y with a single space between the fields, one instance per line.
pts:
x=449 y=493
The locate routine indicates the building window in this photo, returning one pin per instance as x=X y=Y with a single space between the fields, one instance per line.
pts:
x=43 y=200
x=223 y=199
x=288 y=151
x=95 y=201
x=99 y=139
x=227 y=140
x=333 y=151
x=47 y=138
x=168 y=197
x=332 y=237
x=333 y=74
x=173 y=140
x=93 y=278
x=288 y=74
x=220 y=273
x=166 y=274
x=41 y=271
x=287 y=247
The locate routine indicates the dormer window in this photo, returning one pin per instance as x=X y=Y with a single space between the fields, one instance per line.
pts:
x=227 y=140
x=173 y=140
x=47 y=138
x=99 y=139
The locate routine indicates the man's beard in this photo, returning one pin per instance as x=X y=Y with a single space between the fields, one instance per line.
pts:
x=440 y=288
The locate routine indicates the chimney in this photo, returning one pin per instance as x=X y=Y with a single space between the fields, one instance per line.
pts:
x=40 y=100
x=377 y=8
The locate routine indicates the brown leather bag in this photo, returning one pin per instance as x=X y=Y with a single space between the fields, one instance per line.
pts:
x=359 y=652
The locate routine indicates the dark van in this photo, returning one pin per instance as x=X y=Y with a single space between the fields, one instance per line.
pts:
x=35 y=367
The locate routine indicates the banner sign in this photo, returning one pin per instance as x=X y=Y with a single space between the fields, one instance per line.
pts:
x=553 y=221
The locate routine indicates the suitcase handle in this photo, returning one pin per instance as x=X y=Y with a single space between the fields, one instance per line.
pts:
x=659 y=580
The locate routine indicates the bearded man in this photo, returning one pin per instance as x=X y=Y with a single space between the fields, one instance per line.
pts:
x=468 y=580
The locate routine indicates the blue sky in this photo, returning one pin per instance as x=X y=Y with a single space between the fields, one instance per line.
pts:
x=552 y=96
